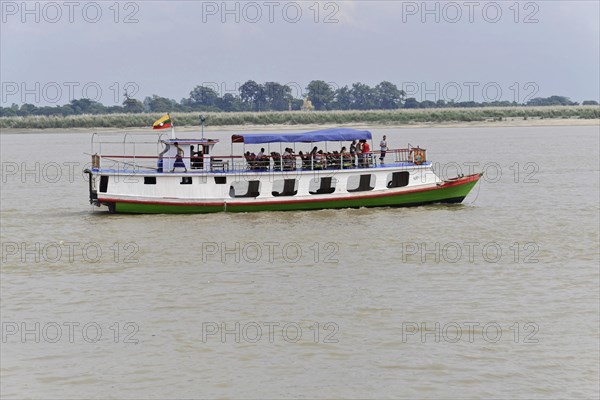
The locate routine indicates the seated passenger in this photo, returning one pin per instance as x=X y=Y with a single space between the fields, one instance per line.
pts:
x=320 y=160
x=288 y=159
x=262 y=160
x=249 y=159
x=346 y=158
x=314 y=152
x=276 y=160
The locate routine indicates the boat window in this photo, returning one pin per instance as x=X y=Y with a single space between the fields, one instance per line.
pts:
x=361 y=183
x=242 y=189
x=220 y=180
x=149 y=180
x=397 y=179
x=322 y=186
x=285 y=187
x=103 y=183
x=186 y=180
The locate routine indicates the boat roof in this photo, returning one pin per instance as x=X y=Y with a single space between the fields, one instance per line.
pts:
x=325 y=135
x=191 y=141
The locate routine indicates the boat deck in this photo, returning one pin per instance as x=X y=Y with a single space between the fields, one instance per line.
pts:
x=221 y=169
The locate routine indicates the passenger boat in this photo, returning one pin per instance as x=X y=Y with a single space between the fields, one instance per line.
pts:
x=166 y=175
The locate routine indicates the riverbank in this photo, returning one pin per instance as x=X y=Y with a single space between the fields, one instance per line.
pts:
x=512 y=122
x=490 y=116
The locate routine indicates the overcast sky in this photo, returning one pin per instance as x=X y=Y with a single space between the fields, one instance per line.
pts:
x=464 y=50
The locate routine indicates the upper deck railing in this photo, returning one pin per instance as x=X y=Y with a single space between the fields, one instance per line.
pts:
x=272 y=162
x=129 y=153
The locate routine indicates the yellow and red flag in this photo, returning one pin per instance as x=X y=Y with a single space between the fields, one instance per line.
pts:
x=163 y=123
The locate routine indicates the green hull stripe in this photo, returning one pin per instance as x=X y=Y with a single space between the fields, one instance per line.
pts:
x=453 y=194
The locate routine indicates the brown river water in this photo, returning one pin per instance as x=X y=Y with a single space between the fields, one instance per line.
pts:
x=497 y=297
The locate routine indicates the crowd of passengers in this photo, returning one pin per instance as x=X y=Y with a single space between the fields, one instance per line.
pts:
x=359 y=155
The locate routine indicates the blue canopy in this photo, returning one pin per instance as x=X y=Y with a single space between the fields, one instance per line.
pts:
x=326 y=135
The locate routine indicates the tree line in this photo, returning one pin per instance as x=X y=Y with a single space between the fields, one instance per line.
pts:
x=272 y=96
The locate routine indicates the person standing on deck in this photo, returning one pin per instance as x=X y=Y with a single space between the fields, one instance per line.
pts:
x=359 y=153
x=366 y=153
x=179 y=158
x=353 y=152
x=383 y=147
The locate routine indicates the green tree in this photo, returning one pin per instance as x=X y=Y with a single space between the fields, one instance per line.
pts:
x=87 y=106
x=364 y=97
x=402 y=96
x=203 y=98
x=467 y=104
x=428 y=104
x=551 y=101
x=411 y=102
x=297 y=104
x=343 y=99
x=26 y=109
x=47 y=111
x=68 y=109
x=81 y=106
x=320 y=94
x=159 y=104
x=133 y=106
x=277 y=96
x=388 y=96
x=229 y=102
x=110 y=110
x=7 y=112
x=253 y=96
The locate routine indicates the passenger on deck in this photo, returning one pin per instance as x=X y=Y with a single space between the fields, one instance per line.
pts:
x=289 y=159
x=359 y=153
x=366 y=153
x=353 y=152
x=196 y=158
x=250 y=160
x=346 y=158
x=313 y=155
x=305 y=160
x=383 y=147
x=179 y=158
x=320 y=160
x=262 y=160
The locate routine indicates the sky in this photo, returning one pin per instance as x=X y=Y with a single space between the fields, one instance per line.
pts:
x=52 y=52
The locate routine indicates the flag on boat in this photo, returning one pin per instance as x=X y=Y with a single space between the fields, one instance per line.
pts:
x=163 y=123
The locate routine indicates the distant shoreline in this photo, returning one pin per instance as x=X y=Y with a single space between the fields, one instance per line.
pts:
x=509 y=122
x=400 y=118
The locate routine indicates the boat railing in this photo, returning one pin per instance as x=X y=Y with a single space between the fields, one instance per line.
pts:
x=273 y=162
